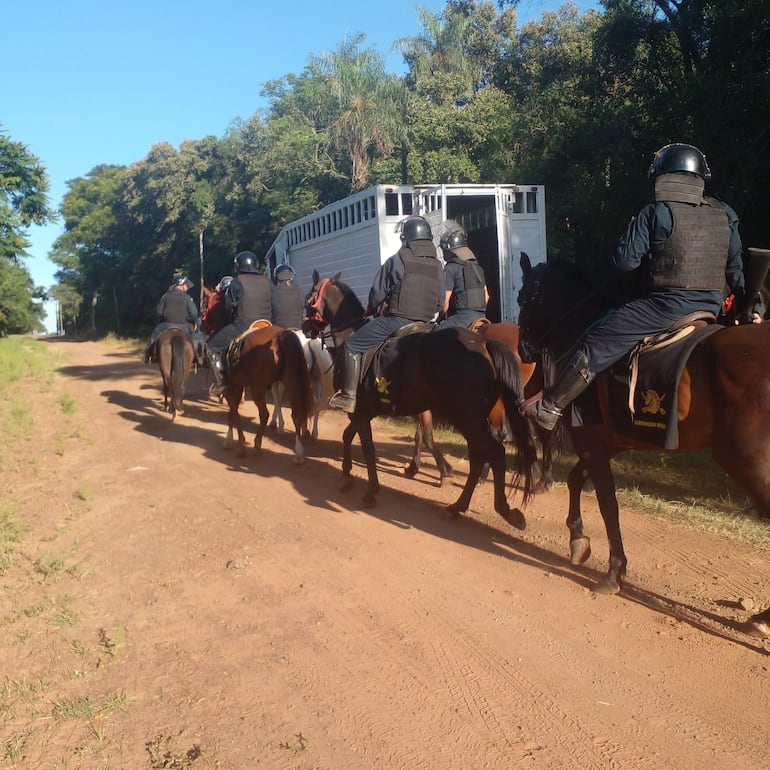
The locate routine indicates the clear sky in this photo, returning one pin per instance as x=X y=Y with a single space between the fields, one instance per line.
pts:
x=87 y=82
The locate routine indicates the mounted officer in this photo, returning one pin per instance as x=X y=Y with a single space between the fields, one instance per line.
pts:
x=466 y=288
x=288 y=299
x=683 y=248
x=175 y=309
x=215 y=317
x=408 y=287
x=247 y=299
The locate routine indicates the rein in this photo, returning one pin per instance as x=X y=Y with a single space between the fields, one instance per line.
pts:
x=318 y=305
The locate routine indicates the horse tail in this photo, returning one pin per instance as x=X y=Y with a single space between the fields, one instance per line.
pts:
x=296 y=379
x=509 y=378
x=177 y=371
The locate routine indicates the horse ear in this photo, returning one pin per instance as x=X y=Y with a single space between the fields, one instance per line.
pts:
x=526 y=265
x=337 y=276
x=316 y=277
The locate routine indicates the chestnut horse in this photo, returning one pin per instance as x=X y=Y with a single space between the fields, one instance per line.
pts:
x=256 y=359
x=435 y=371
x=176 y=353
x=724 y=404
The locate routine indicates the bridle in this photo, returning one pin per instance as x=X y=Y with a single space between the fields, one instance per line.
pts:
x=316 y=316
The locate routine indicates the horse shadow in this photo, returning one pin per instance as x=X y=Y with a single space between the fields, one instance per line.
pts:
x=319 y=485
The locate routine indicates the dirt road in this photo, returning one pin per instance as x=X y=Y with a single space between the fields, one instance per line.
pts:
x=240 y=613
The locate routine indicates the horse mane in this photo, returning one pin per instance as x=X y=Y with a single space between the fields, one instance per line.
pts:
x=350 y=309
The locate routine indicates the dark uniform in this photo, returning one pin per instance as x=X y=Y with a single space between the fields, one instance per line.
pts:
x=464 y=282
x=175 y=309
x=288 y=299
x=408 y=287
x=247 y=299
x=685 y=248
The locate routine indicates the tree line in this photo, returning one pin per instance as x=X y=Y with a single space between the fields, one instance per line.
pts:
x=577 y=102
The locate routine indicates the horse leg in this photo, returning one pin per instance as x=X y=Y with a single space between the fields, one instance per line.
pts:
x=367 y=446
x=444 y=468
x=277 y=418
x=597 y=466
x=579 y=544
x=514 y=516
x=411 y=470
x=233 y=397
x=258 y=396
x=347 y=455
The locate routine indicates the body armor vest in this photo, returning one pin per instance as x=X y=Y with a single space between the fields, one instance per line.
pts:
x=472 y=297
x=416 y=296
x=255 y=301
x=288 y=306
x=695 y=254
x=175 y=307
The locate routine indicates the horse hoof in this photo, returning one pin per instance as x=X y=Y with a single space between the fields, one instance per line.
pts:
x=607 y=587
x=346 y=485
x=410 y=471
x=515 y=518
x=454 y=510
x=758 y=628
x=579 y=550
x=368 y=501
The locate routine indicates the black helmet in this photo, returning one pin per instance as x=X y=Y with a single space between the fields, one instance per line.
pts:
x=453 y=240
x=416 y=229
x=246 y=262
x=675 y=158
x=283 y=273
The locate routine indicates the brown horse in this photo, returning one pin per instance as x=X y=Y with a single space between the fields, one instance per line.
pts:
x=176 y=353
x=724 y=403
x=433 y=371
x=256 y=360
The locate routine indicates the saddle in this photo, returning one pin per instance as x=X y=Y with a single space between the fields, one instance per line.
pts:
x=233 y=351
x=643 y=396
x=479 y=324
x=381 y=383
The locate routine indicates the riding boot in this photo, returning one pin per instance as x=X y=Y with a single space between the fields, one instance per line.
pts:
x=149 y=352
x=345 y=398
x=219 y=388
x=571 y=382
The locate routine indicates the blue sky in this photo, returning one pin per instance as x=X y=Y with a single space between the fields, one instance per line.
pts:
x=89 y=82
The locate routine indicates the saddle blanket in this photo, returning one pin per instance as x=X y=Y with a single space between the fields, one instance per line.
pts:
x=642 y=389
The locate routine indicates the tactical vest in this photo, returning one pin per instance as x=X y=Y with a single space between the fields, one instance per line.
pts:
x=416 y=296
x=175 y=307
x=695 y=254
x=287 y=310
x=255 y=301
x=472 y=297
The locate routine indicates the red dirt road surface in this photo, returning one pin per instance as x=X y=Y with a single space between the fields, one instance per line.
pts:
x=239 y=613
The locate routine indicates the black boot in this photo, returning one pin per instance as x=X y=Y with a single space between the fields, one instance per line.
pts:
x=214 y=360
x=149 y=353
x=571 y=382
x=345 y=398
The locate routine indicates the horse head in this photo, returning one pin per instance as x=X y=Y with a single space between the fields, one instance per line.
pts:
x=332 y=303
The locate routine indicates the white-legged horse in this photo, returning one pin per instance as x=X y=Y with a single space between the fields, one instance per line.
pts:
x=319 y=366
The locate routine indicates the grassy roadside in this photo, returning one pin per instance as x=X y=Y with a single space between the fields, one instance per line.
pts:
x=52 y=658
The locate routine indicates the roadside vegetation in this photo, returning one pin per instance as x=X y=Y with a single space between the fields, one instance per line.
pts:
x=51 y=653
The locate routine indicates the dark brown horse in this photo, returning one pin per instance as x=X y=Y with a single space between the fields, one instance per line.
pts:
x=724 y=403
x=176 y=352
x=550 y=441
x=434 y=371
x=257 y=359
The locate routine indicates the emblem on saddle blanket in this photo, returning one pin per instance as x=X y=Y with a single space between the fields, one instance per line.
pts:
x=643 y=389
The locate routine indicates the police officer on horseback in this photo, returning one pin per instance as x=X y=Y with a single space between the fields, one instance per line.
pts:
x=683 y=249
x=288 y=299
x=408 y=287
x=247 y=299
x=175 y=309
x=466 y=288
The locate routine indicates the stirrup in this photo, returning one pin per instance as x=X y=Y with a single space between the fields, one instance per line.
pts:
x=343 y=401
